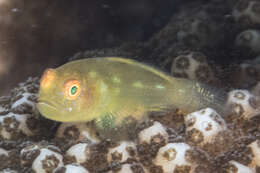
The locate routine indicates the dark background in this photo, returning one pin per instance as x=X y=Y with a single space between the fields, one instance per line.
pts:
x=39 y=34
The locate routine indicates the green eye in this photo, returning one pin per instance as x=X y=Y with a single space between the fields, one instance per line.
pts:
x=74 y=90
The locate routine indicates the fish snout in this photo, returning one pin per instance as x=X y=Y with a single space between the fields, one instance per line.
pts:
x=48 y=77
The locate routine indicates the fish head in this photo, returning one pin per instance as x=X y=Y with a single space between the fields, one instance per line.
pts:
x=67 y=95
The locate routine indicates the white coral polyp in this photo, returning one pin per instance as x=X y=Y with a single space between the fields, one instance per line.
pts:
x=207 y=121
x=249 y=39
x=146 y=135
x=241 y=168
x=3 y=152
x=122 y=150
x=24 y=100
x=193 y=66
x=84 y=132
x=3 y=109
x=80 y=152
x=256 y=90
x=8 y=171
x=47 y=161
x=172 y=155
x=30 y=148
x=74 y=168
x=242 y=103
x=13 y=123
x=255 y=147
x=248 y=12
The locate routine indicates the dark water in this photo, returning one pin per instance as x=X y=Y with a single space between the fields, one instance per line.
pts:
x=39 y=34
x=35 y=35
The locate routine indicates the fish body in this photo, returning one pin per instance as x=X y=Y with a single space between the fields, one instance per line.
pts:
x=111 y=89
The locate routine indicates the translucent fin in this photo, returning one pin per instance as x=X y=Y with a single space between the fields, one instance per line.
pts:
x=112 y=126
x=190 y=96
x=106 y=121
x=211 y=96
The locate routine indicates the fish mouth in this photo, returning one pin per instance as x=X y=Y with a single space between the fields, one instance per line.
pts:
x=48 y=109
x=52 y=111
x=43 y=104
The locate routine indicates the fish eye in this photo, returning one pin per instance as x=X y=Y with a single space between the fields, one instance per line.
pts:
x=72 y=89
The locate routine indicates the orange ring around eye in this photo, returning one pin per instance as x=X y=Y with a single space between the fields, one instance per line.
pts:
x=72 y=84
x=48 y=77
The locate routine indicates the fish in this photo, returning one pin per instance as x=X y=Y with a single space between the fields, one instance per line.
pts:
x=109 y=90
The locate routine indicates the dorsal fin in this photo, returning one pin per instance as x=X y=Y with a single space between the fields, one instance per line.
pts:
x=143 y=66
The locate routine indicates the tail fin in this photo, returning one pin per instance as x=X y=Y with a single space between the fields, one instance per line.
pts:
x=212 y=97
x=198 y=95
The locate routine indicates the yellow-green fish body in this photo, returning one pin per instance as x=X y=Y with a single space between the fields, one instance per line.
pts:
x=91 y=89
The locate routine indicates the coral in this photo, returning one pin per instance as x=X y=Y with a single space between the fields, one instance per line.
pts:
x=247 y=12
x=8 y=171
x=193 y=65
x=78 y=153
x=19 y=117
x=256 y=90
x=42 y=159
x=3 y=152
x=235 y=167
x=123 y=152
x=242 y=104
x=154 y=134
x=202 y=126
x=4 y=105
x=4 y=157
x=25 y=96
x=77 y=132
x=15 y=126
x=245 y=75
x=196 y=31
x=249 y=39
x=129 y=168
x=255 y=148
x=192 y=28
x=174 y=157
x=71 y=168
